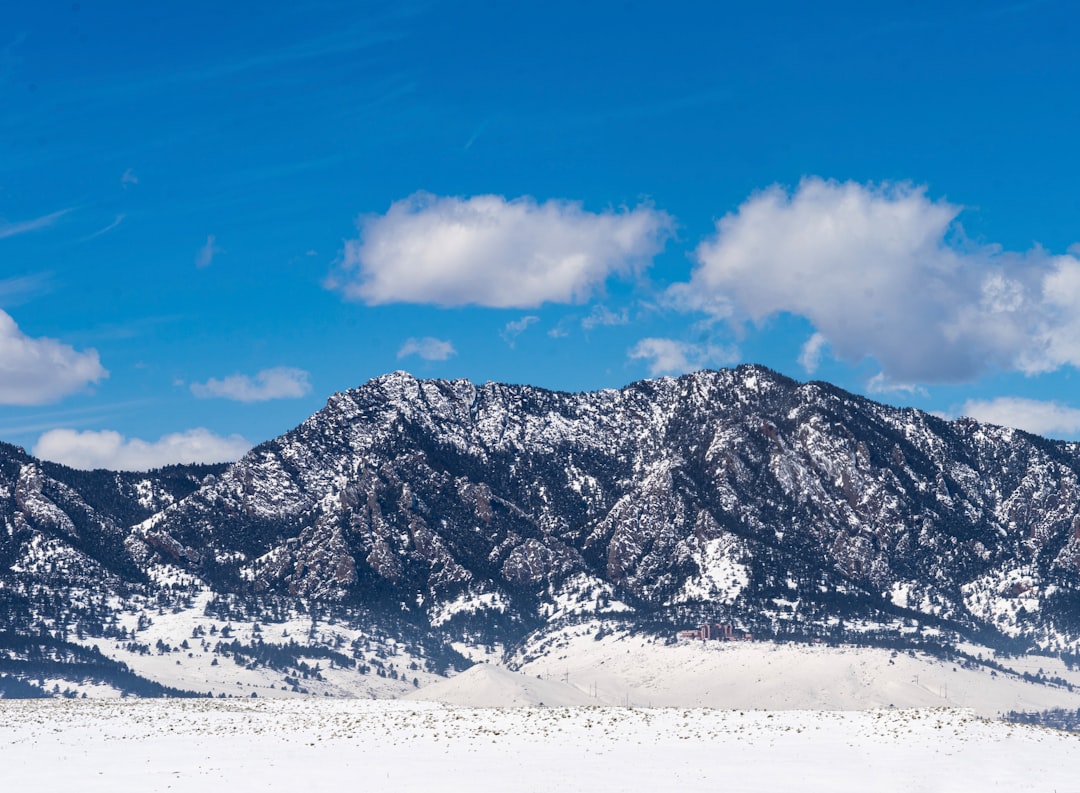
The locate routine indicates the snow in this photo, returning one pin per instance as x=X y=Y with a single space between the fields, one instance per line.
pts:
x=467 y=604
x=199 y=667
x=722 y=576
x=149 y=498
x=485 y=685
x=900 y=594
x=581 y=593
x=623 y=668
x=195 y=745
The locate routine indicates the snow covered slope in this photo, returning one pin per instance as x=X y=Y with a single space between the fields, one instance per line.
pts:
x=738 y=493
x=638 y=669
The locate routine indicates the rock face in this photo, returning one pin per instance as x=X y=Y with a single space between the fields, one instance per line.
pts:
x=487 y=511
x=63 y=528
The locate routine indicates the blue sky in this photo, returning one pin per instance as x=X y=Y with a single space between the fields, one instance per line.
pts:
x=214 y=215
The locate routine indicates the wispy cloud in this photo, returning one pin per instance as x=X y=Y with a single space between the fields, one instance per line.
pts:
x=341 y=41
x=516 y=327
x=670 y=356
x=119 y=219
x=92 y=449
x=206 y=254
x=602 y=316
x=96 y=413
x=429 y=348
x=131 y=328
x=881 y=384
x=16 y=291
x=129 y=178
x=477 y=133
x=281 y=382
x=561 y=329
x=36 y=224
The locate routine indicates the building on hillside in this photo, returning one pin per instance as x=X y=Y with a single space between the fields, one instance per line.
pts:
x=715 y=631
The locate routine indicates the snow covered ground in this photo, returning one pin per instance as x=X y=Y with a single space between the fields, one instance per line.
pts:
x=592 y=663
x=199 y=668
x=488 y=686
x=623 y=668
x=323 y=744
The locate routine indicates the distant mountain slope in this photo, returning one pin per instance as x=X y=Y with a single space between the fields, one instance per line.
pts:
x=481 y=513
x=53 y=513
x=740 y=491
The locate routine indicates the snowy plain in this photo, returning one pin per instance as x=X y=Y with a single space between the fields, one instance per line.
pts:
x=116 y=746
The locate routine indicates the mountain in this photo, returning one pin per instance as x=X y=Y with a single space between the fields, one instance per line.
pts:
x=444 y=517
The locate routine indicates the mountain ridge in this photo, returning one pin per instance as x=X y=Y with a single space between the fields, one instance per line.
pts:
x=481 y=515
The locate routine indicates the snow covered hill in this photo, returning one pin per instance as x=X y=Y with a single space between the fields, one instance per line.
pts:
x=624 y=668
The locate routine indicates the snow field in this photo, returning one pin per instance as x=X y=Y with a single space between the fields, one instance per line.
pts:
x=194 y=668
x=622 y=668
x=196 y=745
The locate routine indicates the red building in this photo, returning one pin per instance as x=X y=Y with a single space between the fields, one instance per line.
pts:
x=715 y=631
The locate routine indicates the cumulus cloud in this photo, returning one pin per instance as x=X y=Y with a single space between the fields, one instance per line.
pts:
x=38 y=371
x=880 y=274
x=92 y=449
x=488 y=251
x=281 y=382
x=428 y=348
x=1036 y=416
x=206 y=254
x=516 y=327
x=670 y=356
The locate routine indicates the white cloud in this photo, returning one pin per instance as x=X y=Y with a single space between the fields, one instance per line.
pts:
x=601 y=315
x=428 y=348
x=281 y=382
x=206 y=254
x=489 y=251
x=810 y=355
x=24 y=226
x=1041 y=418
x=559 y=331
x=129 y=177
x=38 y=371
x=669 y=356
x=107 y=449
x=876 y=271
x=516 y=327
x=880 y=384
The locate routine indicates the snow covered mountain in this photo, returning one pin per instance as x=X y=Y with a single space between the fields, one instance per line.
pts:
x=459 y=518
